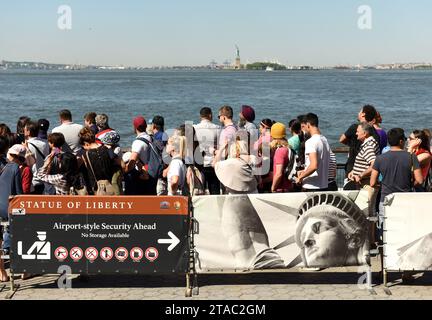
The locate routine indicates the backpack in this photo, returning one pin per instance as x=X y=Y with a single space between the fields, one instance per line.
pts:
x=196 y=181
x=155 y=162
x=291 y=168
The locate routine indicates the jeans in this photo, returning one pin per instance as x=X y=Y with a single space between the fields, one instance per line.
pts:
x=6 y=239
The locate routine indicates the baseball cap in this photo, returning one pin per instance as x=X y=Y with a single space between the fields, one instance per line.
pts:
x=43 y=124
x=110 y=138
x=139 y=122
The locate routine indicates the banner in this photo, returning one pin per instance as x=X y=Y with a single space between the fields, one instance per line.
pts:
x=274 y=231
x=108 y=235
x=408 y=232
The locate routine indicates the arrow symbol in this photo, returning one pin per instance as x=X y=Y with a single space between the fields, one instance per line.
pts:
x=174 y=241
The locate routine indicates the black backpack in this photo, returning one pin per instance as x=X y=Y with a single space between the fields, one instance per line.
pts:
x=155 y=162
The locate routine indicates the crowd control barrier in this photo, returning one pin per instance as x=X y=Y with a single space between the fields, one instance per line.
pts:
x=407 y=233
x=281 y=231
x=191 y=236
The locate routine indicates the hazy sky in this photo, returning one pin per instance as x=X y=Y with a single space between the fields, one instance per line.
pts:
x=193 y=32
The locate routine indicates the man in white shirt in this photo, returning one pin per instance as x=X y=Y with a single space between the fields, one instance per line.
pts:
x=207 y=134
x=317 y=158
x=70 y=131
x=40 y=149
x=140 y=155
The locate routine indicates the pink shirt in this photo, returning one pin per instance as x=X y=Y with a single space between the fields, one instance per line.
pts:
x=266 y=138
x=281 y=158
x=228 y=134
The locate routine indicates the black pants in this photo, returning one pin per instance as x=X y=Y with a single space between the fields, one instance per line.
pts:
x=39 y=189
x=212 y=182
x=332 y=186
x=135 y=186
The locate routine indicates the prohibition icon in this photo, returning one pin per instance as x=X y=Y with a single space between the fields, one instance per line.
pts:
x=121 y=254
x=136 y=254
x=151 y=254
x=61 y=253
x=76 y=253
x=106 y=253
x=91 y=254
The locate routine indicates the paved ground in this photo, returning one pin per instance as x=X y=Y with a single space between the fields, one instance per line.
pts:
x=337 y=283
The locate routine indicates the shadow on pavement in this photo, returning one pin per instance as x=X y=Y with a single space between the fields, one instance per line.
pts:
x=164 y=281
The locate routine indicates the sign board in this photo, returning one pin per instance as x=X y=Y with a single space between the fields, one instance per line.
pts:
x=99 y=234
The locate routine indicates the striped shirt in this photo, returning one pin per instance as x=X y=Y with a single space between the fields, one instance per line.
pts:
x=367 y=154
x=59 y=181
x=332 y=167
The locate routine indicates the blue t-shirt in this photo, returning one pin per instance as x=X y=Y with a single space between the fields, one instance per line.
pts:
x=395 y=168
x=11 y=185
x=161 y=136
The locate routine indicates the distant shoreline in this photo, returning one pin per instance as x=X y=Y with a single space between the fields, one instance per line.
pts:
x=5 y=71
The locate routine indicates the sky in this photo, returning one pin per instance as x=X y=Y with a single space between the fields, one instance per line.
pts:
x=195 y=32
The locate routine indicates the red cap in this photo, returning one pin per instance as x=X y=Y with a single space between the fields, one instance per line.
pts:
x=139 y=121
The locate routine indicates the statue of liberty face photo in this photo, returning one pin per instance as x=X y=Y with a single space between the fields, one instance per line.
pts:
x=331 y=231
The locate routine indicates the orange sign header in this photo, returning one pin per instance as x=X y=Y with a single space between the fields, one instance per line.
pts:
x=164 y=205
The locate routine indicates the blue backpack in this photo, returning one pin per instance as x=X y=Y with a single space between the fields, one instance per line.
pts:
x=155 y=162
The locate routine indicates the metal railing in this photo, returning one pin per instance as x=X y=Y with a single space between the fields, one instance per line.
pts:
x=340 y=175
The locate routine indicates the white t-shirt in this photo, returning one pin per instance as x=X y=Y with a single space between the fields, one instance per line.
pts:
x=70 y=131
x=44 y=150
x=142 y=148
x=176 y=168
x=319 y=179
x=207 y=134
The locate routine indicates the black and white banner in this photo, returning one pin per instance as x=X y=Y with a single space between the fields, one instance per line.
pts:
x=273 y=231
x=408 y=232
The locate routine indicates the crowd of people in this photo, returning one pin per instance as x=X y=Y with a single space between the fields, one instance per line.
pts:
x=210 y=157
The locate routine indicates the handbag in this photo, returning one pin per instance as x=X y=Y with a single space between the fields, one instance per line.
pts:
x=196 y=181
x=102 y=187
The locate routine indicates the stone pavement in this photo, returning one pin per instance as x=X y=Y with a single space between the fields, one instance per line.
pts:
x=335 y=283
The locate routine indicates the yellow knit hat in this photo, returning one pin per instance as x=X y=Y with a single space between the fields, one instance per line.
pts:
x=278 y=131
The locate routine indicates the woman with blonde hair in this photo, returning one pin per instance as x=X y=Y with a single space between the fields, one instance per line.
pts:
x=176 y=171
x=281 y=150
x=236 y=173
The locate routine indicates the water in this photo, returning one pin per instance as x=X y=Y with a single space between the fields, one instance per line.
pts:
x=404 y=98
